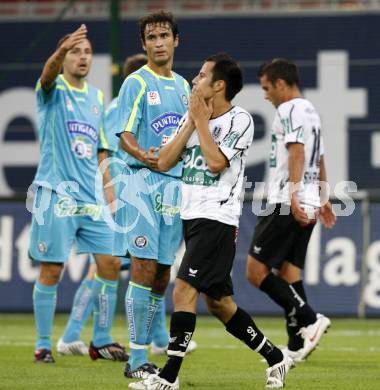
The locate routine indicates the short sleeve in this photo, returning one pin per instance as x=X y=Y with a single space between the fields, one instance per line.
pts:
x=240 y=136
x=292 y=124
x=110 y=126
x=130 y=104
x=42 y=96
x=102 y=142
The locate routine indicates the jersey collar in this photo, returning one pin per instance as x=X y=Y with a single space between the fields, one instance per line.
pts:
x=146 y=67
x=68 y=85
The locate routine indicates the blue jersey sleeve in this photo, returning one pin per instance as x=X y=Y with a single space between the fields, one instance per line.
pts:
x=131 y=101
x=102 y=140
x=111 y=129
x=42 y=96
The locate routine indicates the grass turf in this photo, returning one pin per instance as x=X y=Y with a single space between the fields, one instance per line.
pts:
x=348 y=359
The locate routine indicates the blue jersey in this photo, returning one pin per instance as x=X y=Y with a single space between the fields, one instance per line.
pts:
x=114 y=150
x=70 y=123
x=150 y=106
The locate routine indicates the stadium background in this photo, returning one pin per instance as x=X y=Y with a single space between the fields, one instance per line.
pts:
x=337 y=48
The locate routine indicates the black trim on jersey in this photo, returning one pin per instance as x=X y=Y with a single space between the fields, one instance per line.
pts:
x=231 y=127
x=227 y=160
x=231 y=194
x=290 y=117
x=232 y=107
x=249 y=124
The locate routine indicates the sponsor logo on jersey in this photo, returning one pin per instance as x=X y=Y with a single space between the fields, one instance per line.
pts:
x=95 y=110
x=76 y=127
x=231 y=139
x=153 y=98
x=195 y=169
x=81 y=148
x=168 y=120
x=141 y=241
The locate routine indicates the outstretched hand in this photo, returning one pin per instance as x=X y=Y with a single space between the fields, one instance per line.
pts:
x=74 y=38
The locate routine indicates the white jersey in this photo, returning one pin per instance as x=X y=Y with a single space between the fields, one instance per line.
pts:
x=217 y=196
x=296 y=121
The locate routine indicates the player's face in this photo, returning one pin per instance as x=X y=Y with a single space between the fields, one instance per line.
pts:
x=203 y=81
x=159 y=43
x=272 y=92
x=78 y=59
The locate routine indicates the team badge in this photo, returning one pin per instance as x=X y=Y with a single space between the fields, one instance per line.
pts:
x=153 y=98
x=42 y=247
x=141 y=241
x=185 y=100
x=216 y=131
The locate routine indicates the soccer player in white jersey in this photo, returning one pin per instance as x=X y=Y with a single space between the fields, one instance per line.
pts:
x=297 y=167
x=213 y=139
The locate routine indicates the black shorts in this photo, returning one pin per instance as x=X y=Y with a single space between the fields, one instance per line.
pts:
x=210 y=252
x=278 y=238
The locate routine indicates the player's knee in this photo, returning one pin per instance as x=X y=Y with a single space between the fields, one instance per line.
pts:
x=50 y=273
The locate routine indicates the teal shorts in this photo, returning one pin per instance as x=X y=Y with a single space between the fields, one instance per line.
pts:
x=149 y=221
x=62 y=224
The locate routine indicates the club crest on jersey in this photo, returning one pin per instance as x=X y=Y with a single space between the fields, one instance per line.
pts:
x=81 y=148
x=82 y=128
x=216 y=131
x=168 y=120
x=185 y=100
x=153 y=98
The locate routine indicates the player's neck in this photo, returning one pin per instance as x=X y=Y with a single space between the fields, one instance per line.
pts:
x=163 y=70
x=74 y=81
x=292 y=93
x=220 y=107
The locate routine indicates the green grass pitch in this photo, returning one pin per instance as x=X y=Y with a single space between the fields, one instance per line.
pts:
x=348 y=358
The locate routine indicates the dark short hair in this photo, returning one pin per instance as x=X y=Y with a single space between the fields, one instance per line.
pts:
x=280 y=68
x=161 y=17
x=133 y=63
x=228 y=70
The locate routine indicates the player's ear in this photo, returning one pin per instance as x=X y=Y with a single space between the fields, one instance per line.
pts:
x=219 y=85
x=143 y=45
x=176 y=41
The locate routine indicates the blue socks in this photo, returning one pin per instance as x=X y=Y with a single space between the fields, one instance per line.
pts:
x=104 y=294
x=80 y=312
x=157 y=331
x=136 y=306
x=44 y=302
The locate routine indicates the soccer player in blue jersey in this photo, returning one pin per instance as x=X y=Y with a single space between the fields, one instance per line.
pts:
x=70 y=343
x=65 y=209
x=150 y=104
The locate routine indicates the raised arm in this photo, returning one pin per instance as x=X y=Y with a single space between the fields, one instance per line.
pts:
x=53 y=65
